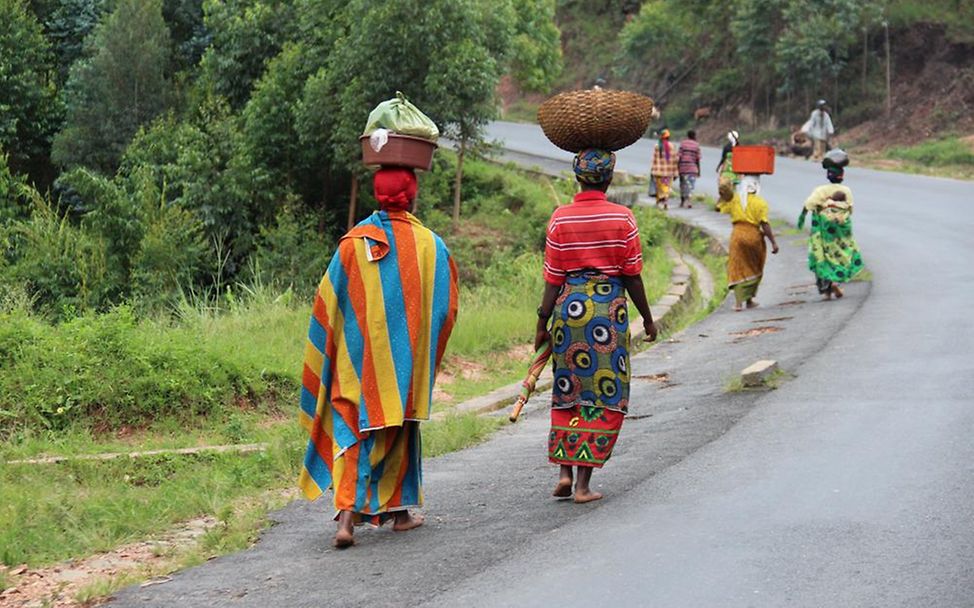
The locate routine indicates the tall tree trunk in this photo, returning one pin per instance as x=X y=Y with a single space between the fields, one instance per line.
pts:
x=865 y=58
x=889 y=88
x=458 y=182
x=352 y=202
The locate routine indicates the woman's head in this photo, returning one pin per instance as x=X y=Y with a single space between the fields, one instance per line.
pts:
x=594 y=166
x=733 y=137
x=835 y=174
x=395 y=188
x=664 y=134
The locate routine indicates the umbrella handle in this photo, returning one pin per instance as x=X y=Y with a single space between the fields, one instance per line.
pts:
x=516 y=410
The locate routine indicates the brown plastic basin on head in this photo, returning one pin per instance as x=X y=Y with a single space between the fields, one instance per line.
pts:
x=400 y=151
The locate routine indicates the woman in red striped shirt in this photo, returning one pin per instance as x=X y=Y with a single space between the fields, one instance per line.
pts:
x=593 y=258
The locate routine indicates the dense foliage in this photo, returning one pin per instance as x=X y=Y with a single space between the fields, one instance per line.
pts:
x=769 y=59
x=126 y=368
x=160 y=149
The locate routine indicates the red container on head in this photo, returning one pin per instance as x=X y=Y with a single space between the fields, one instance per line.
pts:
x=753 y=160
x=400 y=151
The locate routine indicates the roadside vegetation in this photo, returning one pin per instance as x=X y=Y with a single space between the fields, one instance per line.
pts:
x=223 y=369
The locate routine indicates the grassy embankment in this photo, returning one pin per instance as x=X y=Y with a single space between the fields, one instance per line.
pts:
x=229 y=375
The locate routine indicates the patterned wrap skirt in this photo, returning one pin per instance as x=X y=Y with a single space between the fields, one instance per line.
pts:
x=833 y=254
x=590 y=354
x=745 y=260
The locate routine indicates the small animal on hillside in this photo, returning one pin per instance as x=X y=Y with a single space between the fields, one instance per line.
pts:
x=701 y=113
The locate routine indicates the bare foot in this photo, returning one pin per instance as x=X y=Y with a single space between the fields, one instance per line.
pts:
x=584 y=496
x=343 y=537
x=738 y=308
x=838 y=292
x=752 y=304
x=404 y=520
x=563 y=489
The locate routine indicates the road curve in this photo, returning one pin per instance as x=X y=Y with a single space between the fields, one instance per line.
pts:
x=849 y=486
x=852 y=485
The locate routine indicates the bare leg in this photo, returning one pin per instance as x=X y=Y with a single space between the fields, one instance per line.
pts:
x=404 y=520
x=343 y=537
x=582 y=492
x=564 y=487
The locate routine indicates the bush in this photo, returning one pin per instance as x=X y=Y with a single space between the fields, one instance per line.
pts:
x=938 y=153
x=104 y=371
x=62 y=267
x=292 y=254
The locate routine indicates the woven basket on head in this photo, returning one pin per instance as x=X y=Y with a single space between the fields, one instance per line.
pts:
x=595 y=118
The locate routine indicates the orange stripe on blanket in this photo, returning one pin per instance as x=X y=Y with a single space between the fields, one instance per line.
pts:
x=310 y=380
x=346 y=486
x=370 y=383
x=411 y=285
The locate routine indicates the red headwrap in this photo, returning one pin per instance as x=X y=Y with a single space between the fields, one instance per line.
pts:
x=395 y=188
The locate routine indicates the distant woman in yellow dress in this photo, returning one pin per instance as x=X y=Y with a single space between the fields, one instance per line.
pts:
x=745 y=261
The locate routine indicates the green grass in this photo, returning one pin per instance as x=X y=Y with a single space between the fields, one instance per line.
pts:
x=946 y=152
x=53 y=512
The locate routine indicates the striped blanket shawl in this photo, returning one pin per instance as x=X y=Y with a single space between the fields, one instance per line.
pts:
x=379 y=325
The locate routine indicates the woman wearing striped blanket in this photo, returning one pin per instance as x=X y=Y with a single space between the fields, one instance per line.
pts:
x=379 y=325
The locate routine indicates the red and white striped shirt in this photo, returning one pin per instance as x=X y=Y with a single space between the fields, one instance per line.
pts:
x=591 y=233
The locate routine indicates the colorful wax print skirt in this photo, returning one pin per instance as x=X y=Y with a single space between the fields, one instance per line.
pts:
x=832 y=252
x=590 y=354
x=583 y=435
x=380 y=474
x=745 y=260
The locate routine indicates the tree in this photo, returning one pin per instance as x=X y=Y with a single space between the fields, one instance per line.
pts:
x=29 y=113
x=535 y=57
x=463 y=86
x=245 y=34
x=446 y=56
x=120 y=88
x=67 y=26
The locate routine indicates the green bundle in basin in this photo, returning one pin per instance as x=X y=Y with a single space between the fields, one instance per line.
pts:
x=402 y=117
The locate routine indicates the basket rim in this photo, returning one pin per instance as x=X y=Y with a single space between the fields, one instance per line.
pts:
x=401 y=136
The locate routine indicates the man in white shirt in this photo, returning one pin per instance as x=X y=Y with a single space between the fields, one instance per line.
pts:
x=819 y=128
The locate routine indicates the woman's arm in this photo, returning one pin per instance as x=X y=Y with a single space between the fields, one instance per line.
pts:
x=766 y=229
x=636 y=290
x=548 y=297
x=801 y=218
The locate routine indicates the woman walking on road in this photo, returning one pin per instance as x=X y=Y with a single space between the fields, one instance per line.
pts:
x=833 y=255
x=745 y=260
x=725 y=170
x=688 y=164
x=664 y=168
x=593 y=258
x=379 y=325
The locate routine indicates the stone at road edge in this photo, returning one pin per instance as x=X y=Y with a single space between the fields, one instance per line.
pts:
x=756 y=373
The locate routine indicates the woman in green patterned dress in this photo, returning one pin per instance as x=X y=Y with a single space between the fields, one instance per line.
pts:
x=833 y=255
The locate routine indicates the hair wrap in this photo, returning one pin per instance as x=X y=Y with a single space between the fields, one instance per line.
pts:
x=594 y=166
x=395 y=188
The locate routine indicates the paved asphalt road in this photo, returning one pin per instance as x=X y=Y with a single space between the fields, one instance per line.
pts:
x=851 y=485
